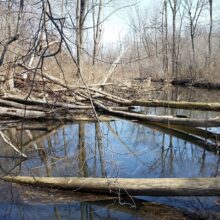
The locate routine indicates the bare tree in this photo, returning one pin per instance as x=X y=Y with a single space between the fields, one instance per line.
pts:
x=97 y=30
x=194 y=11
x=174 y=5
x=81 y=6
x=165 y=37
x=210 y=26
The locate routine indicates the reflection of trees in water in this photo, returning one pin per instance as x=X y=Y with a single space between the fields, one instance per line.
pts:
x=64 y=152
x=118 y=148
x=88 y=150
x=82 y=158
x=175 y=153
x=186 y=93
x=99 y=144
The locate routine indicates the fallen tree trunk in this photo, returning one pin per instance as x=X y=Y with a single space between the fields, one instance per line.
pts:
x=21 y=113
x=68 y=116
x=204 y=106
x=21 y=106
x=212 y=122
x=135 y=207
x=150 y=187
x=8 y=142
x=35 y=101
x=15 y=101
x=180 y=134
x=180 y=105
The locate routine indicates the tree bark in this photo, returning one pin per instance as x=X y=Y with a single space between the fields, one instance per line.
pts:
x=123 y=186
x=80 y=20
x=210 y=27
x=213 y=122
x=96 y=30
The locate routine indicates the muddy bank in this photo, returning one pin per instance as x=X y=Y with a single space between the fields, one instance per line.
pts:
x=187 y=82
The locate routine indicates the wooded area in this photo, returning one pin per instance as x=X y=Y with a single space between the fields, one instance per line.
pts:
x=66 y=39
x=58 y=65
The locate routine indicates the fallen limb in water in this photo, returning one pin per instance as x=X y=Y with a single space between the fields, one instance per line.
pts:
x=213 y=122
x=182 y=134
x=66 y=116
x=180 y=105
x=123 y=186
x=212 y=106
x=135 y=207
x=8 y=142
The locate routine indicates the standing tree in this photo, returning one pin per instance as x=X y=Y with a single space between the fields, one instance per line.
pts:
x=194 y=11
x=210 y=27
x=174 y=5
x=97 y=29
x=165 y=38
x=81 y=6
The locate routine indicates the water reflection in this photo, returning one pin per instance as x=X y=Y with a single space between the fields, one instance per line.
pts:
x=110 y=149
x=168 y=92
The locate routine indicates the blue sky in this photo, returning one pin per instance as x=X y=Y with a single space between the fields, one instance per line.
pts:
x=116 y=26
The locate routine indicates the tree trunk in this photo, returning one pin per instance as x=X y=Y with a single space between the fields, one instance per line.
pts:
x=96 y=31
x=80 y=20
x=165 y=38
x=210 y=28
x=123 y=186
x=215 y=122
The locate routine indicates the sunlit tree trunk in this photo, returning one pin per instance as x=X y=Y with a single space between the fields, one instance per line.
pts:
x=194 y=13
x=210 y=27
x=10 y=72
x=165 y=38
x=96 y=30
x=80 y=20
x=174 y=8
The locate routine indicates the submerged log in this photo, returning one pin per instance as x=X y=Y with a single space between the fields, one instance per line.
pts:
x=135 y=207
x=181 y=134
x=9 y=143
x=150 y=187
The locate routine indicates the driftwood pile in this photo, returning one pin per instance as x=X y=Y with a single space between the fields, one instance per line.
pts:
x=69 y=101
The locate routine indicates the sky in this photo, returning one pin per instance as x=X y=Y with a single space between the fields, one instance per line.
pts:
x=116 y=26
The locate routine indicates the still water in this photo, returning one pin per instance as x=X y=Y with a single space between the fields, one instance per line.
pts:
x=117 y=148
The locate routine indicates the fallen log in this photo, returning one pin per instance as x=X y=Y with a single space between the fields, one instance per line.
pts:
x=15 y=101
x=198 y=132
x=204 y=106
x=154 y=103
x=181 y=134
x=21 y=106
x=170 y=120
x=214 y=106
x=125 y=186
x=35 y=101
x=68 y=116
x=135 y=207
x=8 y=142
x=21 y=113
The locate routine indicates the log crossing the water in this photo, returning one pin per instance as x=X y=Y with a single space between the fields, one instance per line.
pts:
x=204 y=106
x=138 y=186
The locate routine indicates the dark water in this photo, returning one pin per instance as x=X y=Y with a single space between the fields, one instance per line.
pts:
x=118 y=148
